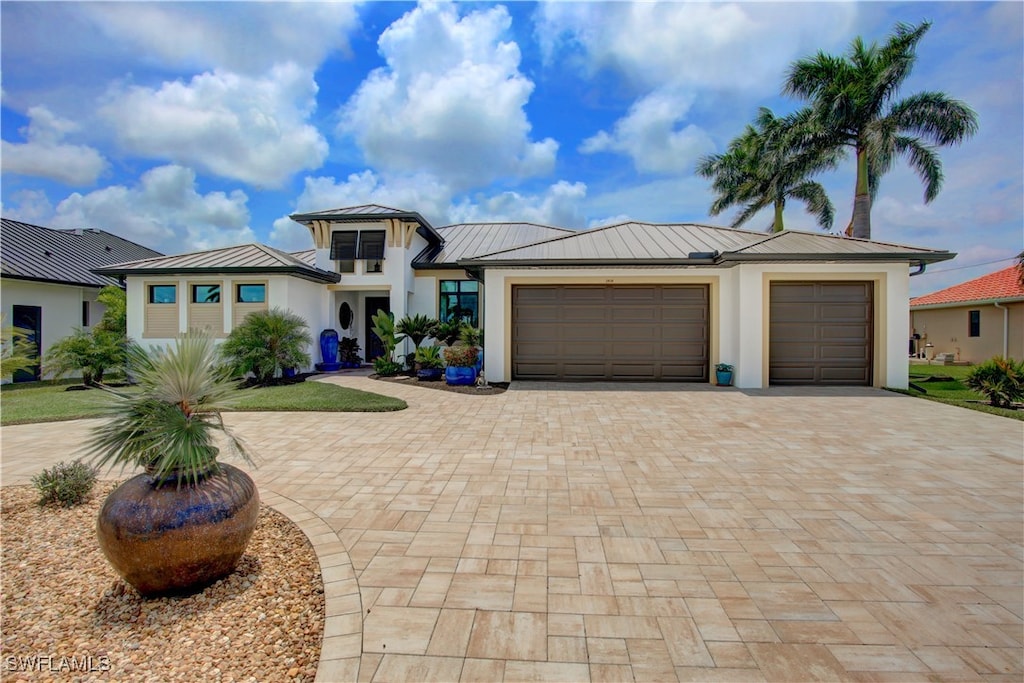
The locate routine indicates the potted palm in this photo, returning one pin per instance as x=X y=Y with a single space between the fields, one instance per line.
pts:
x=185 y=521
x=723 y=374
x=429 y=362
x=461 y=368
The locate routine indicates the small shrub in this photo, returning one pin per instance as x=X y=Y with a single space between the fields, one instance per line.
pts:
x=461 y=356
x=385 y=367
x=1000 y=379
x=67 y=484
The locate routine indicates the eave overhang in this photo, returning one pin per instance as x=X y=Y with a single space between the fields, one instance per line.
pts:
x=321 y=276
x=423 y=227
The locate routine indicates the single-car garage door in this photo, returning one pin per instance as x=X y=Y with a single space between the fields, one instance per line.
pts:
x=598 y=332
x=820 y=333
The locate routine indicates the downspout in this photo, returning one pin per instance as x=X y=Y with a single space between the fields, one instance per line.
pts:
x=1006 y=326
x=920 y=269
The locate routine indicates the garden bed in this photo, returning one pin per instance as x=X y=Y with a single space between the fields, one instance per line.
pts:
x=67 y=615
x=490 y=390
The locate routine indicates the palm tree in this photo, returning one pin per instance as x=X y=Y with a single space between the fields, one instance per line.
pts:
x=769 y=163
x=854 y=98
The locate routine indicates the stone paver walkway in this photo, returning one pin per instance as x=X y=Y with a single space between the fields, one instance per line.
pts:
x=649 y=533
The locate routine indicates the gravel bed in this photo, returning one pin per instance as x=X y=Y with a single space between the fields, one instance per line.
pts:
x=65 y=606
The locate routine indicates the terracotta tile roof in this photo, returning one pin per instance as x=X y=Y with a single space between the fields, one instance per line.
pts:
x=1002 y=284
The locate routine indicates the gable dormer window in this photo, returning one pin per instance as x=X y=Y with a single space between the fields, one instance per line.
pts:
x=363 y=245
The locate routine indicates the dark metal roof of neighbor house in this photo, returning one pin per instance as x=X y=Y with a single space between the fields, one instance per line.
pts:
x=245 y=258
x=32 y=252
x=466 y=240
x=369 y=212
x=635 y=243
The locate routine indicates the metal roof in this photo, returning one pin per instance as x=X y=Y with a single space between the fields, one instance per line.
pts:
x=369 y=212
x=688 y=243
x=466 y=240
x=307 y=256
x=32 y=252
x=245 y=258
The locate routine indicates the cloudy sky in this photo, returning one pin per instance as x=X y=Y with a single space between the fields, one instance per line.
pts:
x=186 y=126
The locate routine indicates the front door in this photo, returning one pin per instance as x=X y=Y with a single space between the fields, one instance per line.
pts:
x=29 y=318
x=374 y=346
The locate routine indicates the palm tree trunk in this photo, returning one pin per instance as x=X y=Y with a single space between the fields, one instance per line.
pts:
x=861 y=222
x=777 y=226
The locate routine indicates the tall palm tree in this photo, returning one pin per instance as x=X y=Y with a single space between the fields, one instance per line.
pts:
x=770 y=163
x=855 y=99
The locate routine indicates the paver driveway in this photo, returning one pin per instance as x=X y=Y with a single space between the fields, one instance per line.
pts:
x=649 y=533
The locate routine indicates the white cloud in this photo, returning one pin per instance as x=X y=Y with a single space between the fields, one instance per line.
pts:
x=715 y=45
x=253 y=129
x=449 y=102
x=163 y=211
x=46 y=156
x=650 y=134
x=249 y=37
x=561 y=205
x=30 y=206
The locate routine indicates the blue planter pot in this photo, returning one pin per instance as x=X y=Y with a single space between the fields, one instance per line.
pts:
x=329 y=346
x=429 y=374
x=459 y=376
x=724 y=378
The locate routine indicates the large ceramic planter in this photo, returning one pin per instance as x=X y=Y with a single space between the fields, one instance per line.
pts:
x=429 y=374
x=173 y=540
x=457 y=376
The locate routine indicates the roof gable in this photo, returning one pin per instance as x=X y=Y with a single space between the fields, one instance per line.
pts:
x=467 y=240
x=33 y=252
x=1002 y=284
x=244 y=258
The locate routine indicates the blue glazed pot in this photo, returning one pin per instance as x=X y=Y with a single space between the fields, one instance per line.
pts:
x=724 y=378
x=459 y=376
x=429 y=374
x=329 y=346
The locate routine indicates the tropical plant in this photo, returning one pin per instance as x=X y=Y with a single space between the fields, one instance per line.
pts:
x=854 y=99
x=66 y=484
x=1000 y=379
x=429 y=357
x=348 y=350
x=384 y=328
x=91 y=353
x=186 y=520
x=387 y=367
x=18 y=350
x=417 y=328
x=460 y=356
x=770 y=163
x=167 y=425
x=723 y=367
x=266 y=343
x=471 y=336
x=115 y=311
x=447 y=331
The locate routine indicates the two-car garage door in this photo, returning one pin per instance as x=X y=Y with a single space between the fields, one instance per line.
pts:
x=598 y=332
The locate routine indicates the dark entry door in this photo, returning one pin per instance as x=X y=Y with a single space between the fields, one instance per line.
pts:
x=374 y=346
x=29 y=318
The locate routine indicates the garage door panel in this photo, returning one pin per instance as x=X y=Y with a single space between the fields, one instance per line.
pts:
x=820 y=332
x=610 y=332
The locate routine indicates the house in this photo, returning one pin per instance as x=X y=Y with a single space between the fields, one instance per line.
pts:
x=634 y=301
x=974 y=320
x=47 y=281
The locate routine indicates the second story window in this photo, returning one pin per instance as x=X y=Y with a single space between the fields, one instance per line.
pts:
x=358 y=245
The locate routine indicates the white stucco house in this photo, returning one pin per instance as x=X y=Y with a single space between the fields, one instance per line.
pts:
x=631 y=302
x=47 y=282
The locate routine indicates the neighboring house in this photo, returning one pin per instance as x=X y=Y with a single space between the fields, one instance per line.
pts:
x=973 y=320
x=47 y=282
x=634 y=301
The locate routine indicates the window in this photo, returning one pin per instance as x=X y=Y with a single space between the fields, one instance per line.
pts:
x=251 y=294
x=206 y=294
x=973 y=323
x=460 y=300
x=163 y=294
x=364 y=245
x=85 y=314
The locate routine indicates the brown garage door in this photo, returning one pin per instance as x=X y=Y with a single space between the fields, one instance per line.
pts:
x=820 y=333
x=570 y=332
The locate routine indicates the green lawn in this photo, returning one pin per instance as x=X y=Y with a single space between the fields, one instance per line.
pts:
x=52 y=401
x=952 y=391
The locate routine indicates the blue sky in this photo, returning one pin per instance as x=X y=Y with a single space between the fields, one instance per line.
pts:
x=187 y=126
